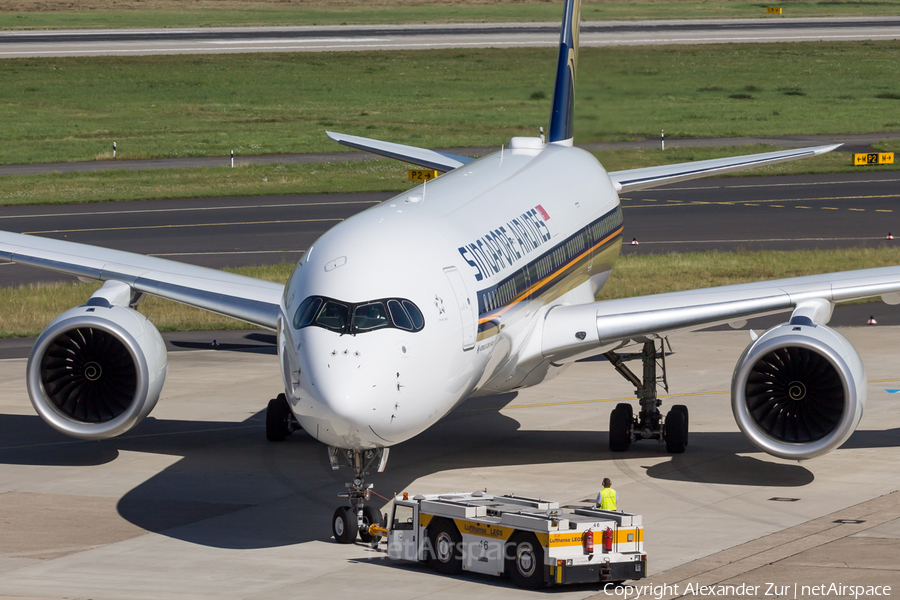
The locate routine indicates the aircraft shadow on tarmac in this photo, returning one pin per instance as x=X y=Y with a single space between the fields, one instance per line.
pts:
x=233 y=489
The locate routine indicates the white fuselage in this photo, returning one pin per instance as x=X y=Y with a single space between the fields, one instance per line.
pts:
x=484 y=252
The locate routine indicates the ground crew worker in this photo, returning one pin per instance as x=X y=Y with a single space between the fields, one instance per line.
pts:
x=607 y=498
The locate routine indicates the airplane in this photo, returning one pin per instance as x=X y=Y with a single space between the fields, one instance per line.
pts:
x=482 y=281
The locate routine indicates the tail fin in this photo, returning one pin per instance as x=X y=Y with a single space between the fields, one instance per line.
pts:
x=561 y=127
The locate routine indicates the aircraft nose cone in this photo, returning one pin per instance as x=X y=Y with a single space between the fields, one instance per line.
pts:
x=353 y=390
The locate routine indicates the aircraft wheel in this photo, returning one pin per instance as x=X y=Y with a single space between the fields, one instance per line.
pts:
x=620 y=423
x=370 y=516
x=687 y=421
x=279 y=419
x=344 y=525
x=676 y=431
x=525 y=561
x=445 y=554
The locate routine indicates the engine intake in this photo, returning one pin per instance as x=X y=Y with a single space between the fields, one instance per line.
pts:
x=799 y=391
x=96 y=371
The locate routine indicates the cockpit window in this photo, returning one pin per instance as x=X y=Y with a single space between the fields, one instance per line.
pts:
x=398 y=314
x=332 y=315
x=357 y=318
x=367 y=317
x=306 y=312
x=415 y=314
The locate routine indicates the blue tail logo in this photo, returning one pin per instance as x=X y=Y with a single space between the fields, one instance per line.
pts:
x=561 y=127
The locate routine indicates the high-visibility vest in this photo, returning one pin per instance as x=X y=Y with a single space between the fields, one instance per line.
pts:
x=608 y=499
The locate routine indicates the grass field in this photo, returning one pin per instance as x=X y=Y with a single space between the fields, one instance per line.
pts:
x=64 y=109
x=374 y=176
x=25 y=311
x=31 y=14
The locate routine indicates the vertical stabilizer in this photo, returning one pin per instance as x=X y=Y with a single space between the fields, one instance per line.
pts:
x=561 y=127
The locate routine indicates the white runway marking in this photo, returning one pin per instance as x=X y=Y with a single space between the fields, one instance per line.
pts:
x=230 y=252
x=759 y=240
x=185 y=209
x=296 y=41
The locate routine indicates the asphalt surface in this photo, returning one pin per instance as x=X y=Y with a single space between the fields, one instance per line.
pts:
x=382 y=37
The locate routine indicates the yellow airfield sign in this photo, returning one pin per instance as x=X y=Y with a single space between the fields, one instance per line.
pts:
x=873 y=158
x=773 y=10
x=422 y=174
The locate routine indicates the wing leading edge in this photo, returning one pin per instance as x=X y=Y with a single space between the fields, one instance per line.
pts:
x=648 y=177
x=603 y=323
x=252 y=300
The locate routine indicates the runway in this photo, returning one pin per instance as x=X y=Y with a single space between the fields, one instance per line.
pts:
x=194 y=503
x=420 y=37
x=752 y=213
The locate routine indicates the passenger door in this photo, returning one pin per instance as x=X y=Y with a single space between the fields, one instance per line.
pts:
x=467 y=306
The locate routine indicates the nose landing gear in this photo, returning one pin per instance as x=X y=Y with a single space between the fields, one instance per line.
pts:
x=280 y=421
x=624 y=427
x=353 y=520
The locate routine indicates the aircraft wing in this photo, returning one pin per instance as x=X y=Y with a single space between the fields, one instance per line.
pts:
x=648 y=177
x=431 y=159
x=571 y=331
x=252 y=300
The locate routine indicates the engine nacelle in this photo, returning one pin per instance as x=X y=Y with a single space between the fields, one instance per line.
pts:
x=798 y=391
x=97 y=370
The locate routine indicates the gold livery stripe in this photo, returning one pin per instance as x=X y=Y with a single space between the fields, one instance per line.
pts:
x=551 y=276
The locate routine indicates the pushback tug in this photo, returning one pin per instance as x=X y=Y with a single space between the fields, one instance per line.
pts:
x=533 y=541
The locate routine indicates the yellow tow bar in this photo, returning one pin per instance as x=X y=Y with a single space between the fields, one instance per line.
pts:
x=377 y=530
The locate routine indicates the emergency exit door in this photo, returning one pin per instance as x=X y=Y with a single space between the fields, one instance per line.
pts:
x=466 y=305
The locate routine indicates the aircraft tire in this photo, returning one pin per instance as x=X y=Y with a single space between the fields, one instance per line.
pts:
x=370 y=516
x=676 y=431
x=278 y=419
x=445 y=554
x=525 y=561
x=687 y=421
x=620 y=421
x=344 y=525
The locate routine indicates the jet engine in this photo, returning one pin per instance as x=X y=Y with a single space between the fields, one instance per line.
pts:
x=97 y=370
x=799 y=390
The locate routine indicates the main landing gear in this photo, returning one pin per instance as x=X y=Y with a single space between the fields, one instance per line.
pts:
x=624 y=427
x=280 y=421
x=355 y=519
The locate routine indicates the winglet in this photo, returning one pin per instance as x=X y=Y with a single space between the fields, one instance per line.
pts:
x=561 y=129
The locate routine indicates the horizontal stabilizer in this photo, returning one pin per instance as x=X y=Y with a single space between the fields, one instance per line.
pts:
x=431 y=159
x=648 y=177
